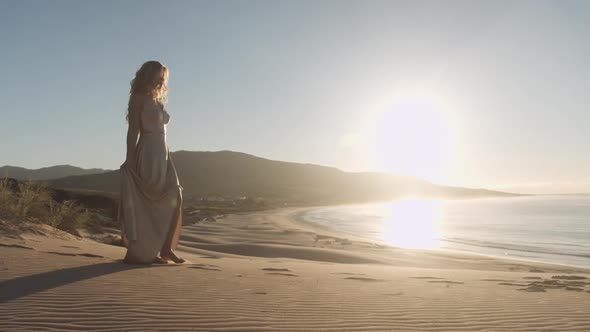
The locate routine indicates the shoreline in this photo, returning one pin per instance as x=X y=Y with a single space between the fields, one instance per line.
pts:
x=299 y=218
x=290 y=219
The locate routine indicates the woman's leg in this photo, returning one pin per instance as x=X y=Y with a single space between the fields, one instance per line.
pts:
x=173 y=234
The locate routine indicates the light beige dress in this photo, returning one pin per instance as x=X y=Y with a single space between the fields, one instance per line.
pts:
x=150 y=206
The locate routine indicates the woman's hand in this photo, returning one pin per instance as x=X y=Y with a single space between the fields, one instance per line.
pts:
x=130 y=163
x=133 y=133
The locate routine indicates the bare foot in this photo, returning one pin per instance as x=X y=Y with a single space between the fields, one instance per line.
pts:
x=171 y=255
x=159 y=260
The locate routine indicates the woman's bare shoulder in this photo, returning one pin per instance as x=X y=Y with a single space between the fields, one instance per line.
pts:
x=140 y=99
x=141 y=102
x=136 y=106
x=147 y=102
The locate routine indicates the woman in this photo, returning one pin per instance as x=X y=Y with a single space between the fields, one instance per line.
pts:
x=150 y=209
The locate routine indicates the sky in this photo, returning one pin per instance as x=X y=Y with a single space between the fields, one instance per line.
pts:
x=469 y=93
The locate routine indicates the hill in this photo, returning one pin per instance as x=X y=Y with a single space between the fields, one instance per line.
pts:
x=46 y=173
x=228 y=173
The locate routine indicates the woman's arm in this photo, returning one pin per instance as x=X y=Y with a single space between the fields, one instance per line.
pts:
x=133 y=131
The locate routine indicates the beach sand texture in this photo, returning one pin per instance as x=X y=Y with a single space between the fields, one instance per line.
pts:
x=265 y=271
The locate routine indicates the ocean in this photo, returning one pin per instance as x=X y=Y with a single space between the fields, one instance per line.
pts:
x=550 y=229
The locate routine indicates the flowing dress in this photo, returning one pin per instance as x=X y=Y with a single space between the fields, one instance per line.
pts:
x=150 y=206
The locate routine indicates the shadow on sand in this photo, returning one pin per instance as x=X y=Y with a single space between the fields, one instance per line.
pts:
x=22 y=286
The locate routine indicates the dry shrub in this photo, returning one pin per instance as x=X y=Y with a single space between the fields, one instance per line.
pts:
x=32 y=201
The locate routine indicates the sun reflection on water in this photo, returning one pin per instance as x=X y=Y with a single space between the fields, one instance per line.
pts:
x=412 y=223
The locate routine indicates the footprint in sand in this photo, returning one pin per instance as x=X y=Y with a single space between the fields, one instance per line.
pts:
x=260 y=293
x=569 y=277
x=566 y=282
x=283 y=274
x=363 y=279
x=533 y=289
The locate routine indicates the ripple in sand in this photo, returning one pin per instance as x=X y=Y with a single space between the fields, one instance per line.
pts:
x=61 y=253
x=15 y=246
x=275 y=269
x=204 y=268
x=283 y=274
x=73 y=254
x=512 y=284
x=503 y=280
x=363 y=279
x=91 y=255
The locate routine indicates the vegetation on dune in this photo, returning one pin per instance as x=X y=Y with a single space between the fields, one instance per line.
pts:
x=23 y=202
x=32 y=202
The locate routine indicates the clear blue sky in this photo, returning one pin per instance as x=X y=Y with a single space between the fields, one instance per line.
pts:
x=471 y=93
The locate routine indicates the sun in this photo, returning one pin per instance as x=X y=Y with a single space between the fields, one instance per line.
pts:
x=413 y=136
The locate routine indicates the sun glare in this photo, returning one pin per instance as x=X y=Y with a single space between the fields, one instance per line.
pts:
x=413 y=136
x=412 y=223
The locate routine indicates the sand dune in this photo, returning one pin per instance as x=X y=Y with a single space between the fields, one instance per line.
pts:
x=266 y=272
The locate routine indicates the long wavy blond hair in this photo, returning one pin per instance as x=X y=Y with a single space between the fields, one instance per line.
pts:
x=150 y=80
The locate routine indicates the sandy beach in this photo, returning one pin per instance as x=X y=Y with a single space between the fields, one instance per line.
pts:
x=266 y=271
x=353 y=165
